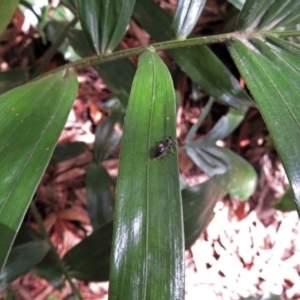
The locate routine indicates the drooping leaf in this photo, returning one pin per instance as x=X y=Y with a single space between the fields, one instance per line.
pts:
x=106 y=138
x=22 y=259
x=99 y=187
x=67 y=151
x=148 y=231
x=268 y=15
x=48 y=268
x=198 y=204
x=12 y=78
x=104 y=22
x=214 y=160
x=31 y=119
x=186 y=16
x=225 y=126
x=89 y=259
x=199 y=63
x=286 y=202
x=271 y=68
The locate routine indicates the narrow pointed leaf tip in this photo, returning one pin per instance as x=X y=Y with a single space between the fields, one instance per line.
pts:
x=148 y=254
x=186 y=17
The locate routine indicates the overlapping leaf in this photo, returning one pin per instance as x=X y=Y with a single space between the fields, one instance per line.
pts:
x=104 y=22
x=120 y=85
x=100 y=200
x=198 y=204
x=213 y=160
x=271 y=68
x=186 y=16
x=89 y=260
x=31 y=120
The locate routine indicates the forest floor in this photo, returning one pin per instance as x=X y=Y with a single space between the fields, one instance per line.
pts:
x=248 y=248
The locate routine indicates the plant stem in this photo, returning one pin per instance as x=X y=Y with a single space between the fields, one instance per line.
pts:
x=174 y=44
x=44 y=233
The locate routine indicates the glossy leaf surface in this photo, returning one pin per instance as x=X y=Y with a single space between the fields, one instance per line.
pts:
x=89 y=260
x=271 y=68
x=186 y=16
x=104 y=22
x=67 y=151
x=199 y=63
x=31 y=120
x=148 y=254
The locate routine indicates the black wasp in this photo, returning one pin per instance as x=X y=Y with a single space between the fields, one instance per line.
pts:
x=162 y=148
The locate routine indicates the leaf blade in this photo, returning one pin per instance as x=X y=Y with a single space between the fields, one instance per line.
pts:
x=99 y=197
x=7 y=10
x=199 y=63
x=275 y=71
x=30 y=129
x=104 y=22
x=271 y=69
x=268 y=15
x=22 y=259
x=186 y=16
x=150 y=117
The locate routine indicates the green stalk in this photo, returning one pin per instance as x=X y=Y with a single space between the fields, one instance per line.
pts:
x=174 y=44
x=44 y=233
